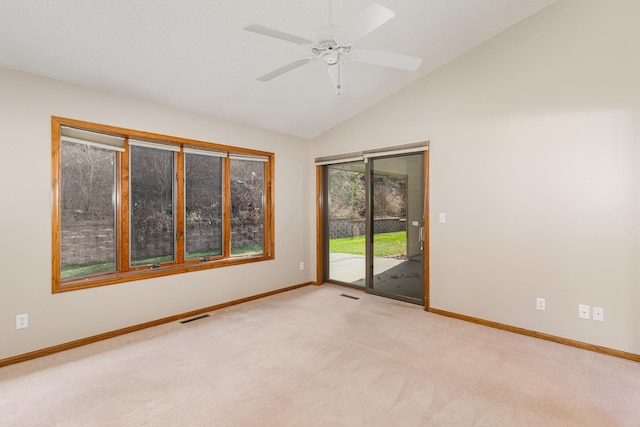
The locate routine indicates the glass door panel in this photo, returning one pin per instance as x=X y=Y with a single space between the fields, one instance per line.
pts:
x=346 y=223
x=397 y=221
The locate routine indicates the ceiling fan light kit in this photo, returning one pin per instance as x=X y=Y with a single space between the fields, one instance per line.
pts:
x=333 y=43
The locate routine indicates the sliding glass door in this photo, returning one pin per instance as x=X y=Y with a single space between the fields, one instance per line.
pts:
x=374 y=225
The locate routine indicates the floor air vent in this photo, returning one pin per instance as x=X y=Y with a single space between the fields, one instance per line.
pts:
x=194 y=318
x=349 y=296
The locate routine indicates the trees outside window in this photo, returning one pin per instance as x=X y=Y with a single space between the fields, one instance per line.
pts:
x=87 y=210
x=346 y=192
x=247 y=206
x=152 y=178
x=203 y=205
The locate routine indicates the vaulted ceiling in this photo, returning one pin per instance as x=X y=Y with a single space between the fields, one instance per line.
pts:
x=195 y=55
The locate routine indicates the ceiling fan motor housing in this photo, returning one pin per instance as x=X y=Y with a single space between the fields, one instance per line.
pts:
x=323 y=38
x=324 y=44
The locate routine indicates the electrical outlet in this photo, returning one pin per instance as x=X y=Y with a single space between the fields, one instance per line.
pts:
x=302 y=266
x=541 y=304
x=22 y=321
x=598 y=314
x=584 y=311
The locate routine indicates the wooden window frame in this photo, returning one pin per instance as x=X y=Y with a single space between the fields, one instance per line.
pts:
x=124 y=272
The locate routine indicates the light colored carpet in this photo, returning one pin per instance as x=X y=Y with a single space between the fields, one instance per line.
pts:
x=310 y=357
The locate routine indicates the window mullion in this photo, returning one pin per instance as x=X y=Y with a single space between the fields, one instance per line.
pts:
x=179 y=208
x=123 y=211
x=227 y=208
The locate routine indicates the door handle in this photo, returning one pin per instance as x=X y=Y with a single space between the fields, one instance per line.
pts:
x=421 y=238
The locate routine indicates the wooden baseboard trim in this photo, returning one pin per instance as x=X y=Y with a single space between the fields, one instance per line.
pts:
x=90 y=340
x=548 y=337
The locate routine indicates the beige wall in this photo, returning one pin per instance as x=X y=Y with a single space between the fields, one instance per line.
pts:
x=26 y=106
x=535 y=160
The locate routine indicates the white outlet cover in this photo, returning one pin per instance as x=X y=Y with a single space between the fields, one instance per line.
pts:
x=598 y=314
x=22 y=321
x=584 y=311
x=541 y=304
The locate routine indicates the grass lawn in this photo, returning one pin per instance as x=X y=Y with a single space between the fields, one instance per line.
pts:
x=80 y=270
x=202 y=254
x=89 y=269
x=247 y=250
x=385 y=244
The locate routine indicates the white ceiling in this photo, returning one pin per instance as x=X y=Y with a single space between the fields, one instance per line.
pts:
x=195 y=55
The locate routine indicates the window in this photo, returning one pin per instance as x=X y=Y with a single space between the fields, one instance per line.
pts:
x=88 y=216
x=204 y=191
x=247 y=205
x=152 y=206
x=130 y=205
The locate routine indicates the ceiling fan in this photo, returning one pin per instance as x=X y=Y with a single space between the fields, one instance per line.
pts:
x=332 y=44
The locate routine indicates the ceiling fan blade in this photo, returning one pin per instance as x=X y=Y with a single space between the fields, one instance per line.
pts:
x=387 y=59
x=285 y=69
x=265 y=31
x=337 y=76
x=368 y=20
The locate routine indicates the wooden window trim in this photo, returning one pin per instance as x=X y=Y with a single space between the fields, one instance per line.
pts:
x=124 y=272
